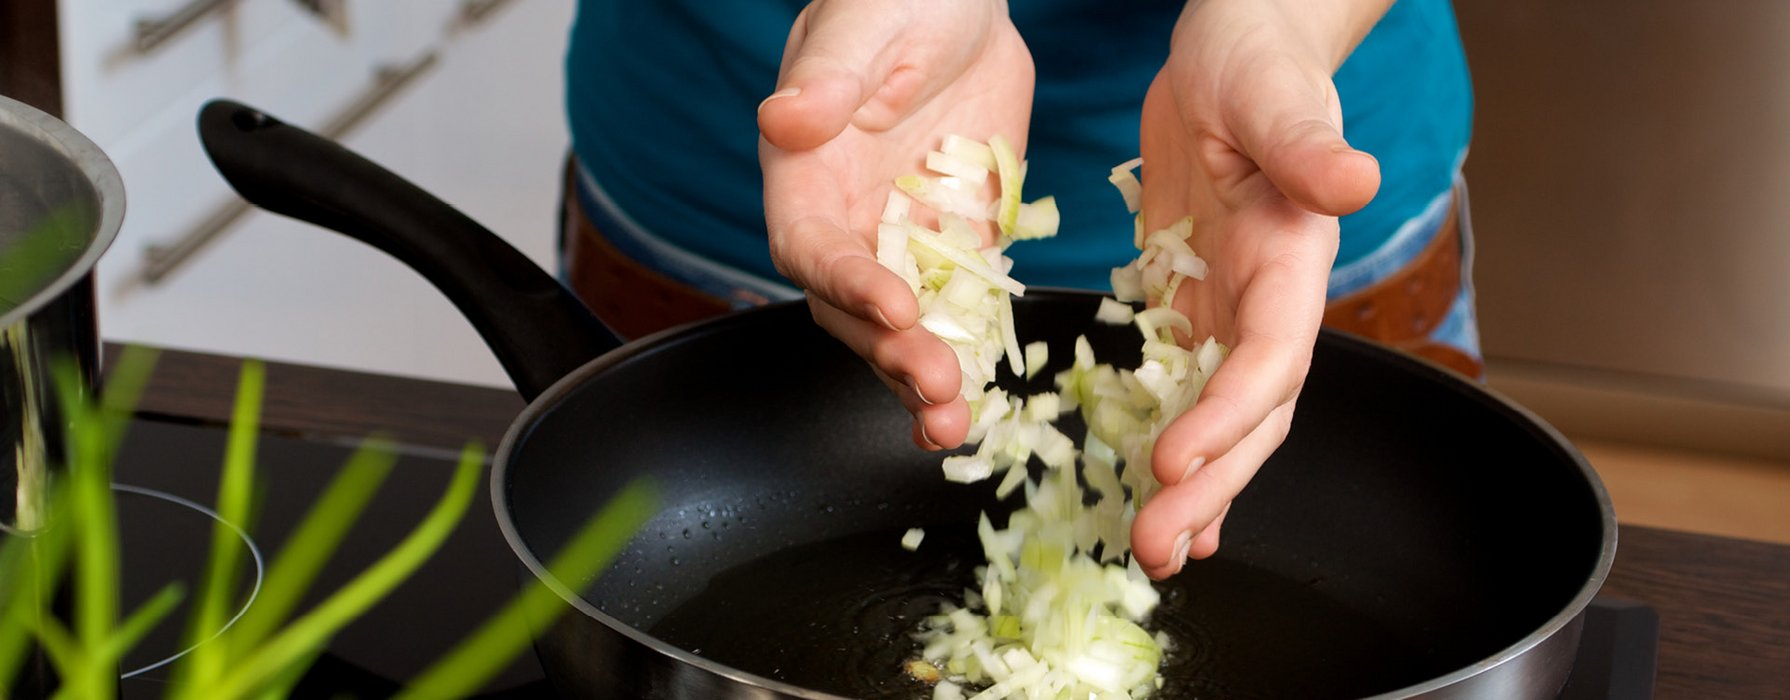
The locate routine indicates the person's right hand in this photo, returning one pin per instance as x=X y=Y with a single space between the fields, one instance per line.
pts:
x=867 y=88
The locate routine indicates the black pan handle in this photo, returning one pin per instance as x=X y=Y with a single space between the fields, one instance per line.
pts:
x=537 y=329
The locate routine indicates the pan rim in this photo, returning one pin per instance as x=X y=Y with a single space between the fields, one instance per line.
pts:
x=523 y=423
x=517 y=432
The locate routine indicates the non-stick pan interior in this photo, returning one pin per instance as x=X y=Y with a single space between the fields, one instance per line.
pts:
x=1410 y=526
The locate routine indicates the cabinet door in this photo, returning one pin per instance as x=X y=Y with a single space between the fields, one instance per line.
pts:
x=482 y=129
x=300 y=67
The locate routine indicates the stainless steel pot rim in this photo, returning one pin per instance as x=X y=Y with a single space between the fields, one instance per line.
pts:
x=98 y=169
x=566 y=385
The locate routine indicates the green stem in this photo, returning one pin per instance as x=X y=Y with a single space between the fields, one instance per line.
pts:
x=311 y=544
x=207 y=662
x=310 y=632
x=474 y=661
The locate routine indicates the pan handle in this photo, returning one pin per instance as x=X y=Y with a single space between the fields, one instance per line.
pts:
x=537 y=329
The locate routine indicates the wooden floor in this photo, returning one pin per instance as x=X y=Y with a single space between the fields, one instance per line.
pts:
x=1699 y=492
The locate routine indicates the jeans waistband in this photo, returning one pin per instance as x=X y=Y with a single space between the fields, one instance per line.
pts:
x=640 y=244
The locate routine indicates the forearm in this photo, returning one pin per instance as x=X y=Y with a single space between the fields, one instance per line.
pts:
x=1330 y=29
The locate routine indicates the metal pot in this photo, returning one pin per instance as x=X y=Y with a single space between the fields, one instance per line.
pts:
x=61 y=203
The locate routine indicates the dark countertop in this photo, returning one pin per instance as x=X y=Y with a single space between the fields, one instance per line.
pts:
x=1723 y=603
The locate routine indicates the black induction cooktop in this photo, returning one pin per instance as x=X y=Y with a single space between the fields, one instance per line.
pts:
x=169 y=471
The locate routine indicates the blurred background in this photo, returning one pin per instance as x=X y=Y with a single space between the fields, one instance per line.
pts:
x=1627 y=182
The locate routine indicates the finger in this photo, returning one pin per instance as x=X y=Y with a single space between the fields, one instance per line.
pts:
x=914 y=359
x=950 y=422
x=1276 y=326
x=836 y=60
x=1205 y=544
x=1289 y=126
x=1315 y=167
x=945 y=417
x=1164 y=533
x=805 y=216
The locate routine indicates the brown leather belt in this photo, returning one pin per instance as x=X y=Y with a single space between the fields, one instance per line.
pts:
x=633 y=300
x=1403 y=309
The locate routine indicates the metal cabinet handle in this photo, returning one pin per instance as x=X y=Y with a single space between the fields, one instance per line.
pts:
x=152 y=32
x=473 y=12
x=162 y=260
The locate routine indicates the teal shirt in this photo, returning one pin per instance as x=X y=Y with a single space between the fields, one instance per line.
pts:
x=662 y=98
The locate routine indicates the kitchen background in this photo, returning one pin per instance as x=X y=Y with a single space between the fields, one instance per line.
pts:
x=1627 y=176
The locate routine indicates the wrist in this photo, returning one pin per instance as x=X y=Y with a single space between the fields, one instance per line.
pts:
x=1324 y=31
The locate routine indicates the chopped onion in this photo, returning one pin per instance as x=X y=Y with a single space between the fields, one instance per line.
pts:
x=1036 y=220
x=946 y=164
x=948 y=195
x=1007 y=165
x=1113 y=312
x=965 y=260
x=1037 y=356
x=1153 y=321
x=895 y=210
x=966 y=469
x=1061 y=604
x=911 y=540
x=969 y=150
x=1128 y=184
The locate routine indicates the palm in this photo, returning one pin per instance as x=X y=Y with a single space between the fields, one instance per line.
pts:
x=992 y=96
x=1244 y=226
x=1245 y=139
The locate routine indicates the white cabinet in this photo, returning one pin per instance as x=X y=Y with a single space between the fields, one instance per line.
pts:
x=480 y=125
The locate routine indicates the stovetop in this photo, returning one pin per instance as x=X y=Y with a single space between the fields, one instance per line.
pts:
x=471 y=578
x=475 y=573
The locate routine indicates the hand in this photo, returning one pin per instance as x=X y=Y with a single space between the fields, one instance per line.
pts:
x=1242 y=130
x=866 y=89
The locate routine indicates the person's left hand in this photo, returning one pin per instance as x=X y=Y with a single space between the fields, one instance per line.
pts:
x=1242 y=129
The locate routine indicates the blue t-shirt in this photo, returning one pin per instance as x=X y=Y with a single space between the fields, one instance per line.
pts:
x=662 y=98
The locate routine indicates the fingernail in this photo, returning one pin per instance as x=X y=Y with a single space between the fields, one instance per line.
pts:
x=785 y=92
x=876 y=312
x=915 y=385
x=1183 y=542
x=930 y=443
x=1192 y=467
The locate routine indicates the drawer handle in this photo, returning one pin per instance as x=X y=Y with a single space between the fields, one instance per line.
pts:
x=152 y=32
x=472 y=12
x=162 y=260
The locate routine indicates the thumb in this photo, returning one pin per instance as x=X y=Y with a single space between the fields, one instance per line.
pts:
x=1311 y=163
x=832 y=65
x=1293 y=133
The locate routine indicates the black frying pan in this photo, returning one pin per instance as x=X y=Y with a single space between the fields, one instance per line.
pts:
x=1415 y=536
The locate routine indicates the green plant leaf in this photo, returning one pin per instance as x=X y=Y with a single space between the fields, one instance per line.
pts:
x=15 y=580
x=311 y=544
x=62 y=647
x=30 y=570
x=282 y=684
x=43 y=252
x=93 y=526
x=100 y=664
x=474 y=661
x=96 y=566
x=310 y=632
x=207 y=662
x=138 y=624
x=124 y=386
